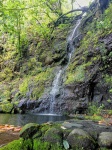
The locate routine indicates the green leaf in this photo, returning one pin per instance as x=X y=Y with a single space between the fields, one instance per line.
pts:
x=65 y=144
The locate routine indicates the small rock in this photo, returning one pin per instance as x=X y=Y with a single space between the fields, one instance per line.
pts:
x=70 y=125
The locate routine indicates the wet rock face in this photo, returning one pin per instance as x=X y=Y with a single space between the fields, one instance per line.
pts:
x=95 y=88
x=103 y=4
x=25 y=105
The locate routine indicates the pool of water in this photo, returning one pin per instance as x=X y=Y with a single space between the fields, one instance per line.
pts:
x=22 y=119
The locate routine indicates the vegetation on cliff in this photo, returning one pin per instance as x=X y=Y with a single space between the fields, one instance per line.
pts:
x=27 y=52
x=33 y=43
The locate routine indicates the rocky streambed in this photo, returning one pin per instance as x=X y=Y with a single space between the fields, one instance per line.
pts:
x=65 y=135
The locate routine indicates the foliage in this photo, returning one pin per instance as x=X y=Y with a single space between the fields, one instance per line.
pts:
x=108 y=79
x=25 y=43
x=25 y=19
x=77 y=75
x=23 y=87
x=94 y=117
x=95 y=109
x=35 y=85
x=65 y=144
x=105 y=25
x=7 y=108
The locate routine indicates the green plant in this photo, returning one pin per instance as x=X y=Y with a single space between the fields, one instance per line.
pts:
x=23 y=87
x=110 y=91
x=109 y=101
x=95 y=109
x=108 y=79
x=65 y=144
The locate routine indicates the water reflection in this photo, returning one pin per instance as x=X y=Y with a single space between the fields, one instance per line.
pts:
x=20 y=120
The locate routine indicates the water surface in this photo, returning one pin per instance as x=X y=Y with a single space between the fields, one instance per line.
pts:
x=22 y=119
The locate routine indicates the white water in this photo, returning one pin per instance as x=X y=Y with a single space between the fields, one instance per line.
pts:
x=55 y=89
x=56 y=82
x=73 y=35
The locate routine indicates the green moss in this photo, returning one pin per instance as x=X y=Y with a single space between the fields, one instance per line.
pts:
x=94 y=109
x=88 y=64
x=35 y=82
x=23 y=87
x=38 y=83
x=6 y=108
x=109 y=112
x=44 y=128
x=37 y=92
x=29 y=130
x=108 y=79
x=39 y=145
x=57 y=147
x=6 y=74
x=94 y=117
x=77 y=76
x=15 y=145
x=27 y=144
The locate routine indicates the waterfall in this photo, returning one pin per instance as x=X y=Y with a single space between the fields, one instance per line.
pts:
x=49 y=103
x=71 y=39
x=54 y=90
x=55 y=86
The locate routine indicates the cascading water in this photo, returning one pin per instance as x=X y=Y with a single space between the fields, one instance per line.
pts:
x=54 y=90
x=49 y=104
x=58 y=77
x=71 y=39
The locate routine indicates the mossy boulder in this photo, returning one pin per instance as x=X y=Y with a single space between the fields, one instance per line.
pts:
x=29 y=130
x=80 y=139
x=105 y=139
x=53 y=135
x=15 y=145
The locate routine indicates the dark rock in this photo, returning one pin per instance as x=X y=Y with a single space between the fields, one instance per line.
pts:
x=25 y=104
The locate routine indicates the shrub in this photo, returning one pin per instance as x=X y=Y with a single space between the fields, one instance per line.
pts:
x=95 y=109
